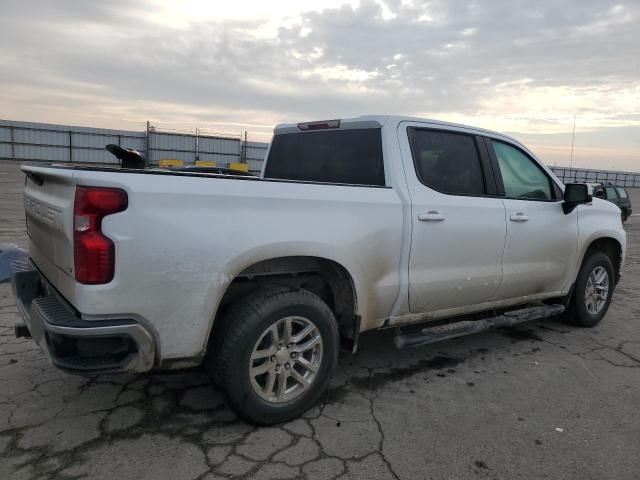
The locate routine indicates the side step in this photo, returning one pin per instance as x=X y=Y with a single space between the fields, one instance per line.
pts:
x=469 y=327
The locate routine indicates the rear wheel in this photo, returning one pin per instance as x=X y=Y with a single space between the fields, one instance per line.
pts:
x=592 y=291
x=278 y=354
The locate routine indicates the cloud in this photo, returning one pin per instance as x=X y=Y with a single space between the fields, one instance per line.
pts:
x=523 y=67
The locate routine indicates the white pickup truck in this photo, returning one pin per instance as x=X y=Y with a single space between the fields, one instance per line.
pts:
x=435 y=229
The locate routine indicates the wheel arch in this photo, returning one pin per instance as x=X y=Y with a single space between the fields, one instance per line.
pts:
x=609 y=246
x=326 y=278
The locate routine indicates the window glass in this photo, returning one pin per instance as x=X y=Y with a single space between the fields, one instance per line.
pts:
x=622 y=192
x=611 y=193
x=332 y=156
x=447 y=162
x=521 y=176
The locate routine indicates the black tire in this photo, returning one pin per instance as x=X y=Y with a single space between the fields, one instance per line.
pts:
x=243 y=325
x=624 y=214
x=577 y=312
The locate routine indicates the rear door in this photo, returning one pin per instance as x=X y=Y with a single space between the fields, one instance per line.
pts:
x=541 y=245
x=458 y=223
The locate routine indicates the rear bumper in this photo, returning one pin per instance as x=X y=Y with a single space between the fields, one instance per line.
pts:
x=71 y=343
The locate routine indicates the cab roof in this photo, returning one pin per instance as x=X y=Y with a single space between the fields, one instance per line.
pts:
x=378 y=121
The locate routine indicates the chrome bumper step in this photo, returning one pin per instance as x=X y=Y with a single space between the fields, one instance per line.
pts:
x=70 y=342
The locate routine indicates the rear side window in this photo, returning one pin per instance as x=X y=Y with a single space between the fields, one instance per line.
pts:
x=521 y=175
x=611 y=193
x=447 y=162
x=622 y=192
x=331 y=156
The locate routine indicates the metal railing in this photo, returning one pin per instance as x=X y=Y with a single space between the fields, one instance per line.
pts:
x=60 y=143
x=607 y=177
x=56 y=143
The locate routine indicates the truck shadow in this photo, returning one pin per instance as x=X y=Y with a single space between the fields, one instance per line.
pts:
x=175 y=395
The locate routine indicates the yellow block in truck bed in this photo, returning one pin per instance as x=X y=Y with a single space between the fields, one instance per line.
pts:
x=244 y=167
x=171 y=162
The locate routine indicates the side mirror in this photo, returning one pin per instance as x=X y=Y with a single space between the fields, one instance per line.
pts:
x=574 y=195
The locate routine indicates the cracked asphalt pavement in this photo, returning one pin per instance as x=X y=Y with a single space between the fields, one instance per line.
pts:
x=544 y=400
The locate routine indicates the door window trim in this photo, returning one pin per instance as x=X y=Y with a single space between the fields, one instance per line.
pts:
x=486 y=168
x=555 y=189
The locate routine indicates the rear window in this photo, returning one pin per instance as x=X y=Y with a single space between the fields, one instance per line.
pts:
x=331 y=156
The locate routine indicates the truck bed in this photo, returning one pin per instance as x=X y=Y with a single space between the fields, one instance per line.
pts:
x=184 y=236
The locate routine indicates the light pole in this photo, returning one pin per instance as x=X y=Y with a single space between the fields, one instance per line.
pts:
x=573 y=137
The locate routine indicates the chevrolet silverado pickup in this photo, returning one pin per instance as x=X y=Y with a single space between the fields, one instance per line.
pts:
x=433 y=229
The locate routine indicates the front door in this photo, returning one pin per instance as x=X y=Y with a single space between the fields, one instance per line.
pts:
x=540 y=251
x=458 y=224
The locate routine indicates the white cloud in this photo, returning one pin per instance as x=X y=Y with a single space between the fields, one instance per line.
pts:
x=514 y=66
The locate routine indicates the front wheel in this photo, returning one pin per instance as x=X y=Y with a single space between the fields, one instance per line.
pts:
x=592 y=291
x=279 y=352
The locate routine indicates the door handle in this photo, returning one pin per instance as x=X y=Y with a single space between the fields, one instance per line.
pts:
x=431 y=216
x=519 y=217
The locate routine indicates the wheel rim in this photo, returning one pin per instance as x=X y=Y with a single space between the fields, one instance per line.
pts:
x=285 y=360
x=597 y=290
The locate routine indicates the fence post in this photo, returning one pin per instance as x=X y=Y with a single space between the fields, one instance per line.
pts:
x=70 y=147
x=197 y=147
x=243 y=159
x=147 y=152
x=12 y=140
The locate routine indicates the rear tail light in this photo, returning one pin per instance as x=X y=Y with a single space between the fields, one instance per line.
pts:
x=94 y=253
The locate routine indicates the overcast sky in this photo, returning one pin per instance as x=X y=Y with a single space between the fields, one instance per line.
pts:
x=520 y=67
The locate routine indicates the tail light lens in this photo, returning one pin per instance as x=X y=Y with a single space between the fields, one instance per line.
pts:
x=94 y=253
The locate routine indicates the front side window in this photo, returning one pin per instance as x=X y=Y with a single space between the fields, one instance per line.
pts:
x=447 y=162
x=522 y=177
x=622 y=192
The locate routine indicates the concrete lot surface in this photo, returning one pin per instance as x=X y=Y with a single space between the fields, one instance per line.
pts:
x=543 y=400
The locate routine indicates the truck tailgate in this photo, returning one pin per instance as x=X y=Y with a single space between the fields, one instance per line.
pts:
x=48 y=204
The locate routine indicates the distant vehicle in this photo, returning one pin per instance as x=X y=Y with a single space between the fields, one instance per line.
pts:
x=353 y=225
x=620 y=197
x=616 y=195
